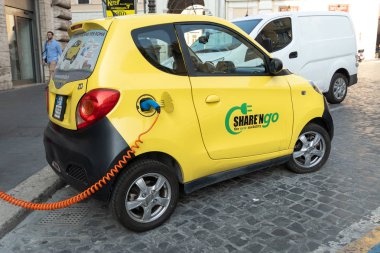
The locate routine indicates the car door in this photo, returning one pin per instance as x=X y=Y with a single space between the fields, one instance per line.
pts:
x=280 y=33
x=242 y=110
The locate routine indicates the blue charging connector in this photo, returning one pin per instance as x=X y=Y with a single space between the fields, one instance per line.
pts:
x=149 y=103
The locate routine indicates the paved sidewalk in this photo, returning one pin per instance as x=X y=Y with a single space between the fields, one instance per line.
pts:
x=23 y=119
x=36 y=188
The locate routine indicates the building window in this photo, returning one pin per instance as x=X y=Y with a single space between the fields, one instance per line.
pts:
x=83 y=1
x=339 y=7
x=288 y=8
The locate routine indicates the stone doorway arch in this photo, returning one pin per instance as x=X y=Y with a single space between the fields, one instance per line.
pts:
x=177 y=6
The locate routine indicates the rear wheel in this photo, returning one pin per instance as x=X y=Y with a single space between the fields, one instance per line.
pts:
x=145 y=196
x=311 y=151
x=338 y=89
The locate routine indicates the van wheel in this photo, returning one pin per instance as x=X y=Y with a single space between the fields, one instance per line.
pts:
x=311 y=151
x=338 y=89
x=145 y=195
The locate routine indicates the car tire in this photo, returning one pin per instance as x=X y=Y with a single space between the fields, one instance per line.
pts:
x=338 y=89
x=311 y=150
x=145 y=185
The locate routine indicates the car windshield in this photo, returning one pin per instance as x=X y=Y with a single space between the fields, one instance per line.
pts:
x=79 y=58
x=247 y=25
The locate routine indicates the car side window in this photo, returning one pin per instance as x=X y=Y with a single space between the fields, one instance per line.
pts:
x=159 y=45
x=214 y=50
x=276 y=35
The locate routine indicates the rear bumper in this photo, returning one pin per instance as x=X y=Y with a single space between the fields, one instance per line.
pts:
x=353 y=80
x=84 y=156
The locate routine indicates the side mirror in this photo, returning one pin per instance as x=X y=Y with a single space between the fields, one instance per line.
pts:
x=267 y=44
x=204 y=38
x=275 y=66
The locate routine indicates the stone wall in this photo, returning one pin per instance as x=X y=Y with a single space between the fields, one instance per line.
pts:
x=5 y=64
x=62 y=20
x=55 y=15
x=52 y=15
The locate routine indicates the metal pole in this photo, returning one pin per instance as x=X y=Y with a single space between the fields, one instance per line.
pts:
x=144 y=6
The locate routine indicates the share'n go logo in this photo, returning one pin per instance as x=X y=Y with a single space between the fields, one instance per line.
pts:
x=239 y=118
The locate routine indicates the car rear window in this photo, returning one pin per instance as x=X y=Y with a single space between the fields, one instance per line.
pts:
x=247 y=25
x=79 y=58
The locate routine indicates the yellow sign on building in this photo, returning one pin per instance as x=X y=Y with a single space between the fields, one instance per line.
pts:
x=120 y=7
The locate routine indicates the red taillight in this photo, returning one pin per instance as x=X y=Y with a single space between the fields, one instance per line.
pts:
x=47 y=99
x=95 y=105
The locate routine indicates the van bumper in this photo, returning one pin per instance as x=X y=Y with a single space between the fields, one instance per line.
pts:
x=82 y=157
x=353 y=79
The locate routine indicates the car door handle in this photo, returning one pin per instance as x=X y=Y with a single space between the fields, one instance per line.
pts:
x=293 y=55
x=212 y=99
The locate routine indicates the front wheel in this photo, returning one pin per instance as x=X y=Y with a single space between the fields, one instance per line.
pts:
x=338 y=89
x=311 y=151
x=145 y=195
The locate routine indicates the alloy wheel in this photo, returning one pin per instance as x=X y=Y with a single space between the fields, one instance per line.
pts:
x=148 y=197
x=309 y=150
x=339 y=88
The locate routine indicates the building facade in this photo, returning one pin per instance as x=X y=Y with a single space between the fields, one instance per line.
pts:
x=365 y=14
x=23 y=28
x=24 y=23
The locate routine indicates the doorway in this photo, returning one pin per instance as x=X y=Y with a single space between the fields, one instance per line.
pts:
x=21 y=45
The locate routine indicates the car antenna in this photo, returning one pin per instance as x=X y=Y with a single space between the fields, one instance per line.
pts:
x=113 y=13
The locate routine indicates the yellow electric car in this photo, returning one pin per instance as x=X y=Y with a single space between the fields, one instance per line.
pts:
x=227 y=108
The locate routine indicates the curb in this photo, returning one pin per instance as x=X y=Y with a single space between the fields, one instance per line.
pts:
x=368 y=243
x=37 y=188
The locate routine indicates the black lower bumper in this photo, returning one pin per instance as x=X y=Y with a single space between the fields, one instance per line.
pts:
x=84 y=156
x=328 y=120
x=353 y=80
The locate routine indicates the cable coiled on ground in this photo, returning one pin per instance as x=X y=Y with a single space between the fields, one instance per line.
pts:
x=90 y=190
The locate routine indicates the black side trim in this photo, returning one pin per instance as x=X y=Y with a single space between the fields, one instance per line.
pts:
x=222 y=176
x=353 y=79
x=328 y=120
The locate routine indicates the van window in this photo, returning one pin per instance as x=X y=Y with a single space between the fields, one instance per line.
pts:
x=247 y=25
x=159 y=45
x=79 y=58
x=216 y=51
x=276 y=35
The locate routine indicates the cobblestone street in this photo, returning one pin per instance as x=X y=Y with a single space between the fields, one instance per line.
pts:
x=272 y=210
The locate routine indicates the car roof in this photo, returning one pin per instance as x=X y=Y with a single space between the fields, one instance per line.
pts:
x=152 y=19
x=266 y=16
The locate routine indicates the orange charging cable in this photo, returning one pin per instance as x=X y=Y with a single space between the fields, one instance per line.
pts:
x=90 y=190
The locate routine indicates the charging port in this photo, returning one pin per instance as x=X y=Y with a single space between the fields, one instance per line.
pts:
x=147 y=106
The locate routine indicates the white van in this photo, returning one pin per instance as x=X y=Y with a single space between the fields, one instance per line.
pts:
x=320 y=46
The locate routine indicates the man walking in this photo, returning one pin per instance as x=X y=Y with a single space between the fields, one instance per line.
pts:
x=51 y=53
